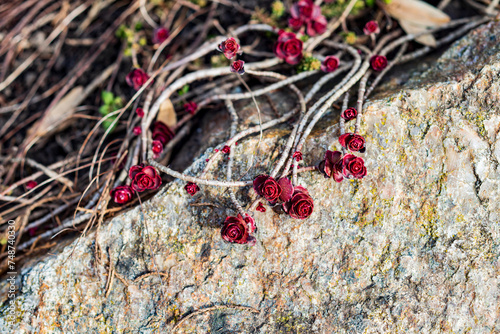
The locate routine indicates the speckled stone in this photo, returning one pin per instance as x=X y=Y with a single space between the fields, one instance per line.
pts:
x=412 y=248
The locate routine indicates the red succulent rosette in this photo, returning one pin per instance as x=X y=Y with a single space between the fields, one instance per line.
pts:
x=160 y=35
x=226 y=149
x=122 y=194
x=139 y=112
x=295 y=23
x=238 y=67
x=353 y=167
x=229 y=47
x=250 y=223
x=31 y=184
x=378 y=62
x=191 y=107
x=297 y=155
x=353 y=142
x=331 y=166
x=317 y=26
x=192 y=188
x=330 y=64
x=237 y=230
x=136 y=78
x=156 y=147
x=301 y=205
x=144 y=178
x=305 y=10
x=371 y=27
x=349 y=113
x=289 y=48
x=272 y=190
x=260 y=207
x=162 y=132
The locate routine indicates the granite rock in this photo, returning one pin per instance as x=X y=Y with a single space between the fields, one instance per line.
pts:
x=414 y=247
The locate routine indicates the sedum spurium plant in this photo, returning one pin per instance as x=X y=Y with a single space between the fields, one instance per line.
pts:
x=184 y=59
x=306 y=44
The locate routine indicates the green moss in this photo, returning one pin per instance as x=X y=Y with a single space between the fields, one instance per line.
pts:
x=201 y=3
x=277 y=9
x=350 y=37
x=219 y=60
x=308 y=63
x=336 y=8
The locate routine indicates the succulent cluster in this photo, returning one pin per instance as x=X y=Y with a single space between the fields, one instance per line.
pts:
x=282 y=193
x=142 y=178
x=294 y=200
x=306 y=13
x=230 y=48
x=136 y=78
x=288 y=47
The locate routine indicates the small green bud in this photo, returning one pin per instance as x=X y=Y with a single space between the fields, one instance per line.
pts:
x=104 y=110
x=107 y=97
x=108 y=124
x=278 y=9
x=118 y=102
x=183 y=90
x=350 y=37
x=308 y=63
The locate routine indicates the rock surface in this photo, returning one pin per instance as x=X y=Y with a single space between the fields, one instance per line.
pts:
x=413 y=248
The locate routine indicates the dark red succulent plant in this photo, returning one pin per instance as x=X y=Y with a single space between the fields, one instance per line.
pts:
x=237 y=230
x=305 y=12
x=297 y=155
x=289 y=48
x=260 y=207
x=156 y=147
x=226 y=149
x=144 y=178
x=349 y=113
x=137 y=130
x=162 y=132
x=31 y=184
x=339 y=167
x=378 y=62
x=330 y=64
x=160 y=35
x=139 y=112
x=136 y=78
x=331 y=166
x=190 y=107
x=238 y=67
x=229 y=47
x=353 y=167
x=192 y=188
x=353 y=142
x=122 y=194
x=272 y=190
x=371 y=27
x=301 y=204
